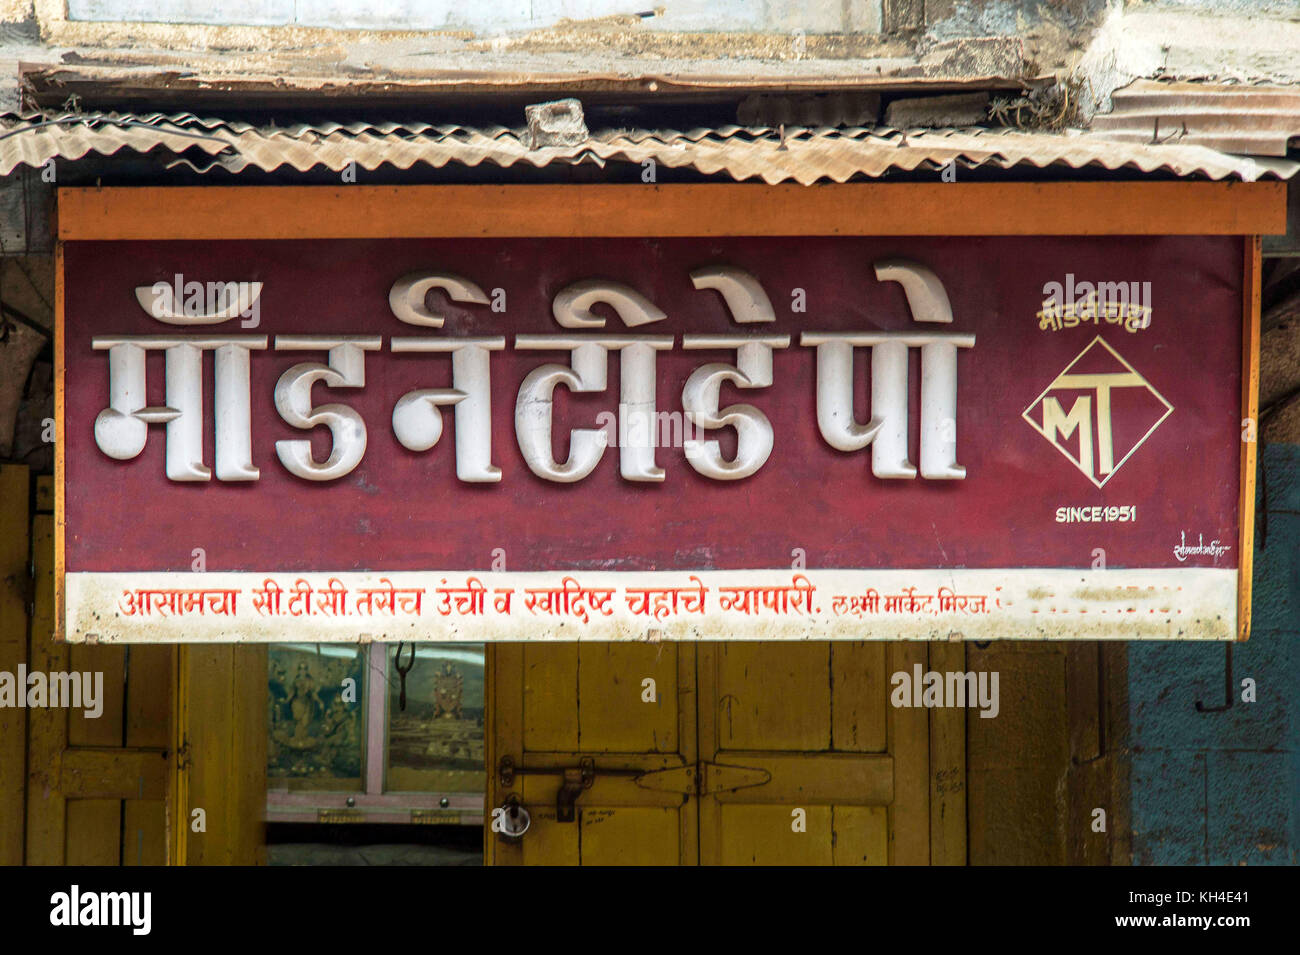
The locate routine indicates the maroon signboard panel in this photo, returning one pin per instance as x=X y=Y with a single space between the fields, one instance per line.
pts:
x=1094 y=438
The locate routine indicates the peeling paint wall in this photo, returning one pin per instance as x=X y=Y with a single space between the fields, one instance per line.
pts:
x=822 y=16
x=1224 y=788
x=1093 y=47
x=15 y=11
x=1183 y=42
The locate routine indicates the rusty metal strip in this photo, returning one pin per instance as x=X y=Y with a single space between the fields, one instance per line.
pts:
x=1259 y=120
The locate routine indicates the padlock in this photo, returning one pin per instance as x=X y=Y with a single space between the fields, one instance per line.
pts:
x=511 y=820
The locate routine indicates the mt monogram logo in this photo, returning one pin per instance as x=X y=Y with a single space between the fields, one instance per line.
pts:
x=1112 y=411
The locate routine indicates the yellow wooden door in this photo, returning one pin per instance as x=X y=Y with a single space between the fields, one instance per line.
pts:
x=96 y=787
x=219 y=787
x=110 y=789
x=812 y=717
x=552 y=706
x=753 y=753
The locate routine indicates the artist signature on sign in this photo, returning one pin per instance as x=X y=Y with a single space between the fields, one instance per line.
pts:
x=1214 y=549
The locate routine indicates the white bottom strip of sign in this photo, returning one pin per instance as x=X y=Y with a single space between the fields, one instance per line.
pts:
x=803 y=604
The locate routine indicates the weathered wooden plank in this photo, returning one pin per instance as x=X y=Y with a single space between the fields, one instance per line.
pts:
x=709 y=731
x=144 y=832
x=504 y=733
x=94 y=828
x=107 y=728
x=859 y=697
x=644 y=835
x=47 y=726
x=1115 y=674
x=948 y=766
x=612 y=715
x=688 y=741
x=248 y=726
x=113 y=773
x=909 y=744
x=946 y=209
x=149 y=704
x=207 y=732
x=806 y=779
x=551 y=697
x=1017 y=763
x=225 y=725
x=149 y=695
x=45 y=494
x=1250 y=342
x=861 y=835
x=758 y=686
x=15 y=529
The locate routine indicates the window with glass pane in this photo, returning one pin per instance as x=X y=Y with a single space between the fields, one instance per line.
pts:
x=317 y=728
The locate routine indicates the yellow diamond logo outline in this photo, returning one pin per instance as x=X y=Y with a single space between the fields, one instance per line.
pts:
x=1065 y=424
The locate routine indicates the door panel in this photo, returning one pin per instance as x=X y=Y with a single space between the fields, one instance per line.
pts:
x=613 y=715
x=642 y=836
x=552 y=705
x=222 y=730
x=756 y=692
x=779 y=844
x=908 y=734
x=814 y=716
x=860 y=835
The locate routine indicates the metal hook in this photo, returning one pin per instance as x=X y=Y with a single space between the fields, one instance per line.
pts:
x=401 y=673
x=1227 y=686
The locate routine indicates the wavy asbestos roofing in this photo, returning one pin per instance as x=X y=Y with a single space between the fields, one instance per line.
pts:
x=794 y=154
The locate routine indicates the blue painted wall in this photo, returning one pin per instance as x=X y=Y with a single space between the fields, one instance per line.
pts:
x=1224 y=788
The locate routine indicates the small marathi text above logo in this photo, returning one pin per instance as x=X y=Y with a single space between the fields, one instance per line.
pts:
x=1112 y=411
x=1068 y=305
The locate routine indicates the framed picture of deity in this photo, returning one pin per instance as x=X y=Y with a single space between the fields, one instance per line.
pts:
x=376 y=734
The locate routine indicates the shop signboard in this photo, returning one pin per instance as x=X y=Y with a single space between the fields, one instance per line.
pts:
x=589 y=433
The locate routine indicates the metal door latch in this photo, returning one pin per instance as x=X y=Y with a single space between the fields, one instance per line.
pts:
x=573 y=780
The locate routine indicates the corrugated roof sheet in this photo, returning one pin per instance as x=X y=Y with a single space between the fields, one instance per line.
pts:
x=805 y=155
x=1259 y=120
